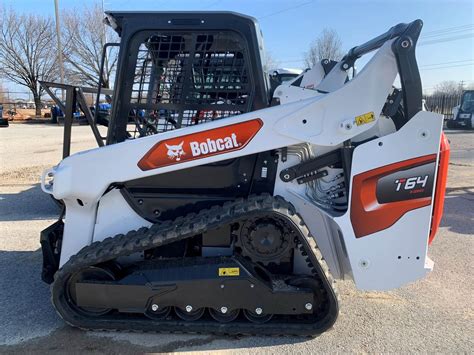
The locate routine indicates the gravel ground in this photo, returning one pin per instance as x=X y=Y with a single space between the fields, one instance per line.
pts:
x=433 y=315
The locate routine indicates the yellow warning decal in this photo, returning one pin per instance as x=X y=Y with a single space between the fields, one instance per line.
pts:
x=365 y=118
x=229 y=271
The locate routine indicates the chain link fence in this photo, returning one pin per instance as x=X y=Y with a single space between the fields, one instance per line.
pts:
x=442 y=103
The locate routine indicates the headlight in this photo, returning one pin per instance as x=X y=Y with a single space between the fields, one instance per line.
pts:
x=464 y=115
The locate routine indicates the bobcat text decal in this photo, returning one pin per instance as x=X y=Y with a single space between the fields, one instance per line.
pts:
x=200 y=144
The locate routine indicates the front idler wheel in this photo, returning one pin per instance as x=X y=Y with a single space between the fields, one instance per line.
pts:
x=91 y=273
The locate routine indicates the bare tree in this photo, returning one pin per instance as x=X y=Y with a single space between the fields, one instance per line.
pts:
x=2 y=94
x=84 y=35
x=27 y=53
x=269 y=62
x=448 y=87
x=326 y=46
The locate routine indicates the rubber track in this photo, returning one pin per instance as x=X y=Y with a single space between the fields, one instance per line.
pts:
x=182 y=228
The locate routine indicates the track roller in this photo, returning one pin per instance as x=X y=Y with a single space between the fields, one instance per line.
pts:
x=189 y=314
x=157 y=313
x=257 y=316
x=223 y=315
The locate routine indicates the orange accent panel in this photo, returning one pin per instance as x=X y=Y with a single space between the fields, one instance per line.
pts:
x=367 y=214
x=441 y=179
x=200 y=144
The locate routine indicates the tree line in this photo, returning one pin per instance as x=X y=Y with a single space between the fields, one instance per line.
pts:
x=29 y=52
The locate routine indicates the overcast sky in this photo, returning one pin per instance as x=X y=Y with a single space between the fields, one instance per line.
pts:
x=446 y=46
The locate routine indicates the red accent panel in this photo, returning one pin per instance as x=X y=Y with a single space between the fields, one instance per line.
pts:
x=440 y=186
x=200 y=145
x=367 y=214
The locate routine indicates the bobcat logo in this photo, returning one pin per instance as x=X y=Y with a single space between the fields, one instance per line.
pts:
x=175 y=151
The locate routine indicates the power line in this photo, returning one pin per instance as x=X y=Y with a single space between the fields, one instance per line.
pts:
x=436 y=85
x=456 y=61
x=450 y=33
x=448 y=29
x=422 y=43
x=286 y=9
x=449 y=39
x=449 y=66
x=422 y=66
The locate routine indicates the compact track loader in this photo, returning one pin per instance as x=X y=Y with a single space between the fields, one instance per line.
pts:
x=218 y=205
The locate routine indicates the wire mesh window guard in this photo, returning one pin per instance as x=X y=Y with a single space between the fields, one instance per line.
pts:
x=183 y=79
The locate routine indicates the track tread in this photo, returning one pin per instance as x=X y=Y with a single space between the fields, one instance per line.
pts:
x=183 y=227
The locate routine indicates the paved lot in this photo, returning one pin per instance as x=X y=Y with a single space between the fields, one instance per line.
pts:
x=433 y=315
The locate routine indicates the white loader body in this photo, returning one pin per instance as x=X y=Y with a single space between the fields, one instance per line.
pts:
x=321 y=118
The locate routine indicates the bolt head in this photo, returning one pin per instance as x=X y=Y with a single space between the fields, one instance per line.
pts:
x=258 y=310
x=222 y=286
x=224 y=310
x=154 y=307
x=189 y=308
x=286 y=176
x=252 y=285
x=308 y=306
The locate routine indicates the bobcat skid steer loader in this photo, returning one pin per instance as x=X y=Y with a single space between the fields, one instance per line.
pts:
x=219 y=206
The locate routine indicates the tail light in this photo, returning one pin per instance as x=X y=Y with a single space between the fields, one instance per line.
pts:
x=440 y=190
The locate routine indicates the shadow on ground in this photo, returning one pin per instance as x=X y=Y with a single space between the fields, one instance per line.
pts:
x=458 y=213
x=26 y=311
x=29 y=204
x=28 y=318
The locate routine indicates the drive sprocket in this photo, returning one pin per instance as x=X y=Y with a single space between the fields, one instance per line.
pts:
x=266 y=240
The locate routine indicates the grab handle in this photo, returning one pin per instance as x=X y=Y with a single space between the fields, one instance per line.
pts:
x=47 y=187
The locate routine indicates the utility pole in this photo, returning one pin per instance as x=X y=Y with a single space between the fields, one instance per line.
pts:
x=103 y=24
x=60 y=50
x=461 y=85
x=104 y=28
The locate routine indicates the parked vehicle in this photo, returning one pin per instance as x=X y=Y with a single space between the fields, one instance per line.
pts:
x=463 y=114
x=3 y=121
x=57 y=113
